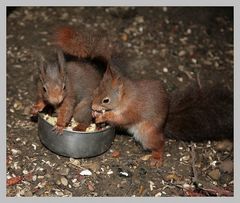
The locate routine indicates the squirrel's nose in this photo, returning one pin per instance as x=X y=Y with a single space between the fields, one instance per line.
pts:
x=94 y=107
x=55 y=101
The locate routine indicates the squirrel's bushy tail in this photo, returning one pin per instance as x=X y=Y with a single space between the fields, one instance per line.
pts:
x=88 y=44
x=201 y=114
x=85 y=44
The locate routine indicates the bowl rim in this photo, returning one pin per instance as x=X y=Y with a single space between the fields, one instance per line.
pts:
x=72 y=132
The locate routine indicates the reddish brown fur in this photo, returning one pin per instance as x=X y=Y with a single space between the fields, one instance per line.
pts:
x=141 y=107
x=73 y=42
x=80 y=79
x=81 y=127
x=152 y=138
x=37 y=107
x=65 y=112
x=85 y=44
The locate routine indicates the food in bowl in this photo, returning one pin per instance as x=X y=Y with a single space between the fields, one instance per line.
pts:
x=93 y=127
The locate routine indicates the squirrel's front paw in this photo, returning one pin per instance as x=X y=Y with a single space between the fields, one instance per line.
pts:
x=156 y=163
x=58 y=129
x=34 y=110
x=100 y=119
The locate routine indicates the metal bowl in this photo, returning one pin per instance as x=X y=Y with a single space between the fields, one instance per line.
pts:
x=75 y=144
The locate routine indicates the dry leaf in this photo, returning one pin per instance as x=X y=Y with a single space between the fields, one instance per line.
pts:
x=116 y=154
x=14 y=180
x=146 y=157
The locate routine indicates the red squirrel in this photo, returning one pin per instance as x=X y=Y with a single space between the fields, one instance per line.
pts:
x=139 y=106
x=68 y=86
x=144 y=108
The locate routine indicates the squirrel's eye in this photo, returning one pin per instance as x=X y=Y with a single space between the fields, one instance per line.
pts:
x=106 y=100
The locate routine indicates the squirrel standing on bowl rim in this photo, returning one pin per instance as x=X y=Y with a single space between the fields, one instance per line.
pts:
x=67 y=86
x=145 y=109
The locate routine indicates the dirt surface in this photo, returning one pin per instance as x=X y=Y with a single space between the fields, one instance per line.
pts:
x=176 y=45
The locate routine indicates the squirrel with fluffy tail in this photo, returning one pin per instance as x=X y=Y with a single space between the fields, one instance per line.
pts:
x=145 y=109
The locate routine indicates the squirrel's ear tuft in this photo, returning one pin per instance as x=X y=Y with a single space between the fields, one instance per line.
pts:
x=112 y=73
x=109 y=71
x=61 y=61
x=42 y=65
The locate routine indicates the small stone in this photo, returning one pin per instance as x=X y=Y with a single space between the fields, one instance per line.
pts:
x=25 y=192
x=93 y=166
x=110 y=172
x=16 y=151
x=25 y=172
x=143 y=72
x=214 y=174
x=154 y=51
x=122 y=173
x=151 y=185
x=75 y=162
x=185 y=158
x=139 y=19
x=146 y=157
x=76 y=185
x=164 y=9
x=34 y=146
x=225 y=145
x=159 y=194
x=27 y=111
x=189 y=31
x=165 y=69
x=182 y=53
x=64 y=171
x=181 y=67
x=40 y=177
x=86 y=172
x=91 y=186
x=194 y=60
x=64 y=181
x=59 y=193
x=186 y=186
x=166 y=21
x=124 y=37
x=172 y=176
x=140 y=29
x=163 y=53
x=67 y=193
x=129 y=44
x=226 y=166
x=18 y=105
x=115 y=154
x=34 y=178
x=216 y=64
x=180 y=79
x=183 y=40
x=64 y=16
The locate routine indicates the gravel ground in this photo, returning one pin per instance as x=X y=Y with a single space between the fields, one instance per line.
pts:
x=176 y=45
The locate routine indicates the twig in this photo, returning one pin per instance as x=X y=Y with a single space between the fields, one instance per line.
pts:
x=189 y=75
x=218 y=191
x=198 y=80
x=193 y=155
